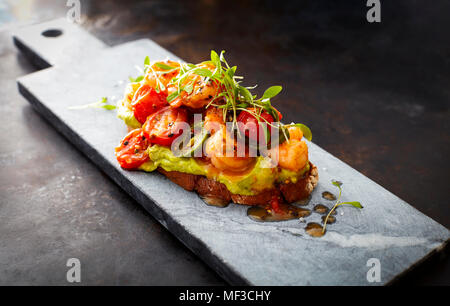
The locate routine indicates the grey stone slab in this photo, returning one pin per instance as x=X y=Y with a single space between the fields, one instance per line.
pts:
x=57 y=41
x=239 y=249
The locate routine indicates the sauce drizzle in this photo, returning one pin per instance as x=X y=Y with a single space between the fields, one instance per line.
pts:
x=284 y=212
x=328 y=196
x=304 y=201
x=331 y=219
x=212 y=201
x=320 y=209
x=314 y=229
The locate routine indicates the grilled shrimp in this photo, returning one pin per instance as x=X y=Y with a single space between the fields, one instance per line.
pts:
x=295 y=132
x=202 y=94
x=216 y=150
x=203 y=90
x=156 y=74
x=213 y=119
x=292 y=155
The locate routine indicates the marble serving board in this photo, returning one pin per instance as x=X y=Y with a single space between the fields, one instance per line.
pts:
x=80 y=69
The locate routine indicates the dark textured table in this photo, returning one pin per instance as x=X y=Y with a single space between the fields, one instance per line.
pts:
x=375 y=95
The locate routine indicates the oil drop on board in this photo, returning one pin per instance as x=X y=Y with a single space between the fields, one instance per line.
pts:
x=284 y=212
x=279 y=211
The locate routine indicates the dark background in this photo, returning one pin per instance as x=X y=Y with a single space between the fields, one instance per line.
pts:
x=375 y=95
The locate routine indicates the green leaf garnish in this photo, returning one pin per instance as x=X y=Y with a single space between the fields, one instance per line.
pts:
x=231 y=71
x=146 y=64
x=245 y=93
x=215 y=58
x=172 y=96
x=271 y=92
x=338 y=184
x=203 y=72
x=108 y=107
x=137 y=79
x=164 y=66
x=147 y=61
x=354 y=204
x=305 y=130
x=99 y=104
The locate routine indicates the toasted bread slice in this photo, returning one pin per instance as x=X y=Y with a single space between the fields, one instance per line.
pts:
x=302 y=188
x=209 y=188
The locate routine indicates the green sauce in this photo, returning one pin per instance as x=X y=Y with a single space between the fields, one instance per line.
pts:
x=127 y=116
x=259 y=178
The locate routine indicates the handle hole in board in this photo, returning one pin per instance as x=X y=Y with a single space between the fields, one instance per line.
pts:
x=52 y=33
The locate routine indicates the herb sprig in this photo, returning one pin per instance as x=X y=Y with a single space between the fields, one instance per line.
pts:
x=234 y=97
x=338 y=203
x=100 y=104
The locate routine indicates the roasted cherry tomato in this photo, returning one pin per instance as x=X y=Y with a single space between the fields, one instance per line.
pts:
x=132 y=151
x=163 y=126
x=146 y=101
x=251 y=123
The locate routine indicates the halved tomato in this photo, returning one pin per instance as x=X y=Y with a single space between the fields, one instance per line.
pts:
x=146 y=101
x=163 y=126
x=251 y=122
x=132 y=151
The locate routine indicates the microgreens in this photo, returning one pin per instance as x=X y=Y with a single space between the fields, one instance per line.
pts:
x=338 y=203
x=99 y=104
x=163 y=66
x=232 y=97
x=147 y=66
x=137 y=79
x=147 y=61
